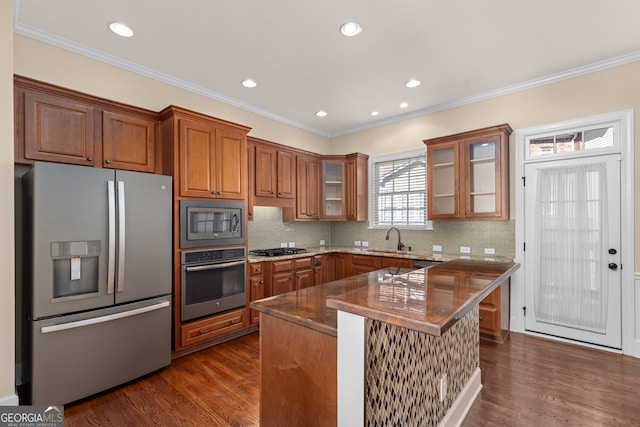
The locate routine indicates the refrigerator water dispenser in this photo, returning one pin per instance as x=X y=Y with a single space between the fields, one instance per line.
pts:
x=75 y=268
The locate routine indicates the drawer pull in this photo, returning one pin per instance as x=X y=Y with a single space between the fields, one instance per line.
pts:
x=232 y=321
x=201 y=332
x=480 y=317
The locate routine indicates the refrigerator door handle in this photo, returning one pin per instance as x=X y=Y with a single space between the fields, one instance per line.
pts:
x=112 y=238
x=103 y=319
x=121 y=236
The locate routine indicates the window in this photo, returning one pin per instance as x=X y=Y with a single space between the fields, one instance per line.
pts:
x=399 y=191
x=566 y=143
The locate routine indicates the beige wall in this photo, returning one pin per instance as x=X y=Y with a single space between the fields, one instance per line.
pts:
x=606 y=91
x=7 y=294
x=63 y=68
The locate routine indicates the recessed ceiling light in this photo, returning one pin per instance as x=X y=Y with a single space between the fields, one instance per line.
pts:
x=404 y=105
x=350 y=29
x=121 y=29
x=321 y=113
x=249 y=83
x=374 y=113
x=412 y=83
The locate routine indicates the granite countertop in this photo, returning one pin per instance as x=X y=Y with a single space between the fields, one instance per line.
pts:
x=419 y=255
x=429 y=300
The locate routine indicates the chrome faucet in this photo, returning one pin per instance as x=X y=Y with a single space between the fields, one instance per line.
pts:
x=400 y=244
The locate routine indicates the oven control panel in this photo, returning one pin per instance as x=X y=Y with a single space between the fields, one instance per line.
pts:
x=222 y=254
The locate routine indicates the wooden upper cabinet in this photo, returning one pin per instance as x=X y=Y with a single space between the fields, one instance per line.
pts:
x=56 y=129
x=208 y=155
x=266 y=164
x=333 y=188
x=357 y=200
x=307 y=190
x=468 y=174
x=286 y=177
x=231 y=164
x=61 y=125
x=274 y=174
x=128 y=141
x=197 y=159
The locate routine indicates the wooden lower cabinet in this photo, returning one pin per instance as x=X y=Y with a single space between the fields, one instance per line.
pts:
x=291 y=274
x=211 y=327
x=303 y=272
x=494 y=312
x=298 y=375
x=366 y=263
x=341 y=266
x=256 y=289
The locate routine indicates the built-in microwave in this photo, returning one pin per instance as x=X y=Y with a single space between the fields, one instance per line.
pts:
x=205 y=223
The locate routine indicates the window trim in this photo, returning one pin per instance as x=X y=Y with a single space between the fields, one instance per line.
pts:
x=372 y=182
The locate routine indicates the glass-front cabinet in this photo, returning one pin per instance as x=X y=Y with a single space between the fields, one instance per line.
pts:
x=333 y=189
x=468 y=174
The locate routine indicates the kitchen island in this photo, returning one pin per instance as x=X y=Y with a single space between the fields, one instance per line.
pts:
x=394 y=346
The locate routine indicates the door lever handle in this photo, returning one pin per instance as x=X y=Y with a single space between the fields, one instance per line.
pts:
x=613 y=266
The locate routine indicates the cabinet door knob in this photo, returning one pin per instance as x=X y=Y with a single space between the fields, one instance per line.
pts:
x=467 y=212
x=455 y=212
x=262 y=282
x=219 y=192
x=90 y=159
x=108 y=162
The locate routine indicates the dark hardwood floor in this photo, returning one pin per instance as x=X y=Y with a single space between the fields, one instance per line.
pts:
x=527 y=381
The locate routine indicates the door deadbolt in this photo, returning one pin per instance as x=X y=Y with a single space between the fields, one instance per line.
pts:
x=612 y=251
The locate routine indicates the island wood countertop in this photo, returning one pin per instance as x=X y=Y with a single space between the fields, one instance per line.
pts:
x=428 y=300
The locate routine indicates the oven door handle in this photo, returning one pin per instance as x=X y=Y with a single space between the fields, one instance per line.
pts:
x=215 y=266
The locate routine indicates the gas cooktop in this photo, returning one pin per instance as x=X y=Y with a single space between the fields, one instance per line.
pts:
x=277 y=251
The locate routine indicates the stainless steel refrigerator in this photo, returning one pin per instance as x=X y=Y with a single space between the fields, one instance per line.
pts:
x=98 y=279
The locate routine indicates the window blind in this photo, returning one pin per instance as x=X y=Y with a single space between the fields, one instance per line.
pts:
x=400 y=196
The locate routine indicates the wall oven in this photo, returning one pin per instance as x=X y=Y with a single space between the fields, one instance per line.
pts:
x=206 y=223
x=212 y=281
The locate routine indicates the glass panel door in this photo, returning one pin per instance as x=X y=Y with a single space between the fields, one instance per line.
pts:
x=443 y=181
x=482 y=177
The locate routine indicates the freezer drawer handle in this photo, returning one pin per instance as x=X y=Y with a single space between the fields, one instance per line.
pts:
x=121 y=232
x=103 y=319
x=112 y=238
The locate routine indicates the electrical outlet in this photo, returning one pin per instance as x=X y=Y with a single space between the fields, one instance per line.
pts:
x=489 y=251
x=356 y=243
x=292 y=244
x=365 y=244
x=436 y=248
x=443 y=387
x=321 y=242
x=283 y=245
x=465 y=250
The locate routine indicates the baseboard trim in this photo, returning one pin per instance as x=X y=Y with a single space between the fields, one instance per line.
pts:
x=458 y=411
x=11 y=400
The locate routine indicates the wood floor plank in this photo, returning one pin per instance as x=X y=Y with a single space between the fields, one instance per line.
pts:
x=527 y=381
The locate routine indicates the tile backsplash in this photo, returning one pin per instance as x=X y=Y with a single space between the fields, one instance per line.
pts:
x=267 y=230
x=450 y=235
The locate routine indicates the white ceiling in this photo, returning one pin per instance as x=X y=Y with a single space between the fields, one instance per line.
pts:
x=461 y=50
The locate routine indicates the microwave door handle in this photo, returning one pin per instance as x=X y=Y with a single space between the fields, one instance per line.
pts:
x=111 y=260
x=121 y=236
x=215 y=266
